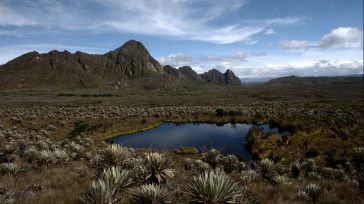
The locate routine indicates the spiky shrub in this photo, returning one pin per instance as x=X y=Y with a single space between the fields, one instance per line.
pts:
x=302 y=195
x=213 y=157
x=358 y=163
x=331 y=173
x=187 y=163
x=6 y=199
x=312 y=192
x=61 y=156
x=157 y=168
x=296 y=170
x=46 y=157
x=231 y=163
x=266 y=165
x=150 y=193
x=313 y=175
x=31 y=154
x=119 y=178
x=213 y=187
x=42 y=145
x=248 y=176
x=310 y=165
x=101 y=192
x=280 y=179
x=115 y=155
x=195 y=165
x=10 y=168
x=137 y=170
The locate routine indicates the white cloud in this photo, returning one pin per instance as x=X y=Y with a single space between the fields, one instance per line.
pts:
x=298 y=68
x=294 y=44
x=176 y=60
x=284 y=21
x=180 y=59
x=341 y=37
x=235 y=57
x=193 y=20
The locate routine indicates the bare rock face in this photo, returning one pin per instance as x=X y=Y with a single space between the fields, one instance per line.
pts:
x=133 y=60
x=231 y=79
x=216 y=77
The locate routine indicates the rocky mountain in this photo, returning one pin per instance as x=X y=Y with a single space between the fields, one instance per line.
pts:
x=216 y=77
x=129 y=65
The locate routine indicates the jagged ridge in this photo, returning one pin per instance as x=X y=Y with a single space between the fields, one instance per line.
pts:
x=129 y=64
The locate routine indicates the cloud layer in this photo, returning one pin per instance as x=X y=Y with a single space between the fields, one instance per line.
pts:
x=341 y=37
x=239 y=63
x=192 y=20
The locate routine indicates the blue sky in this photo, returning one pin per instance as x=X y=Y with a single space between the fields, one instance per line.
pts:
x=254 y=38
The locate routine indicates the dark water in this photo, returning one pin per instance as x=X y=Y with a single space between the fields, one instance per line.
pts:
x=228 y=137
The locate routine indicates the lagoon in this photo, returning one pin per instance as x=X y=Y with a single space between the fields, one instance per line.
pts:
x=229 y=138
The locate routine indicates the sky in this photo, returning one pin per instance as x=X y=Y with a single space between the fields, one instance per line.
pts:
x=253 y=38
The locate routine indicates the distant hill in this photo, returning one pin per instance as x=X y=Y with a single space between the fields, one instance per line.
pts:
x=305 y=81
x=129 y=65
x=255 y=81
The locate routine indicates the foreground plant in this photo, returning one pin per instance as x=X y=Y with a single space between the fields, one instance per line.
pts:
x=311 y=192
x=6 y=199
x=157 y=168
x=101 y=192
x=249 y=176
x=150 y=193
x=213 y=187
x=118 y=178
x=115 y=155
x=266 y=165
x=212 y=157
x=231 y=163
x=296 y=170
x=10 y=168
x=281 y=179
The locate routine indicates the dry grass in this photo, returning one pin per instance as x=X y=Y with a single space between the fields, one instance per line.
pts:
x=61 y=184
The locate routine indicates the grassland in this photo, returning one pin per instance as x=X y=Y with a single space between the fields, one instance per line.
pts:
x=53 y=139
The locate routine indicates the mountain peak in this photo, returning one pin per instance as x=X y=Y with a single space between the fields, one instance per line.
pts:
x=134 y=48
x=216 y=77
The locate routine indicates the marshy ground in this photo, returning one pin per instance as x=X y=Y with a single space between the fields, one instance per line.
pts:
x=52 y=149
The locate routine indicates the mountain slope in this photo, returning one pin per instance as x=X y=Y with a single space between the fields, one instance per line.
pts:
x=129 y=65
